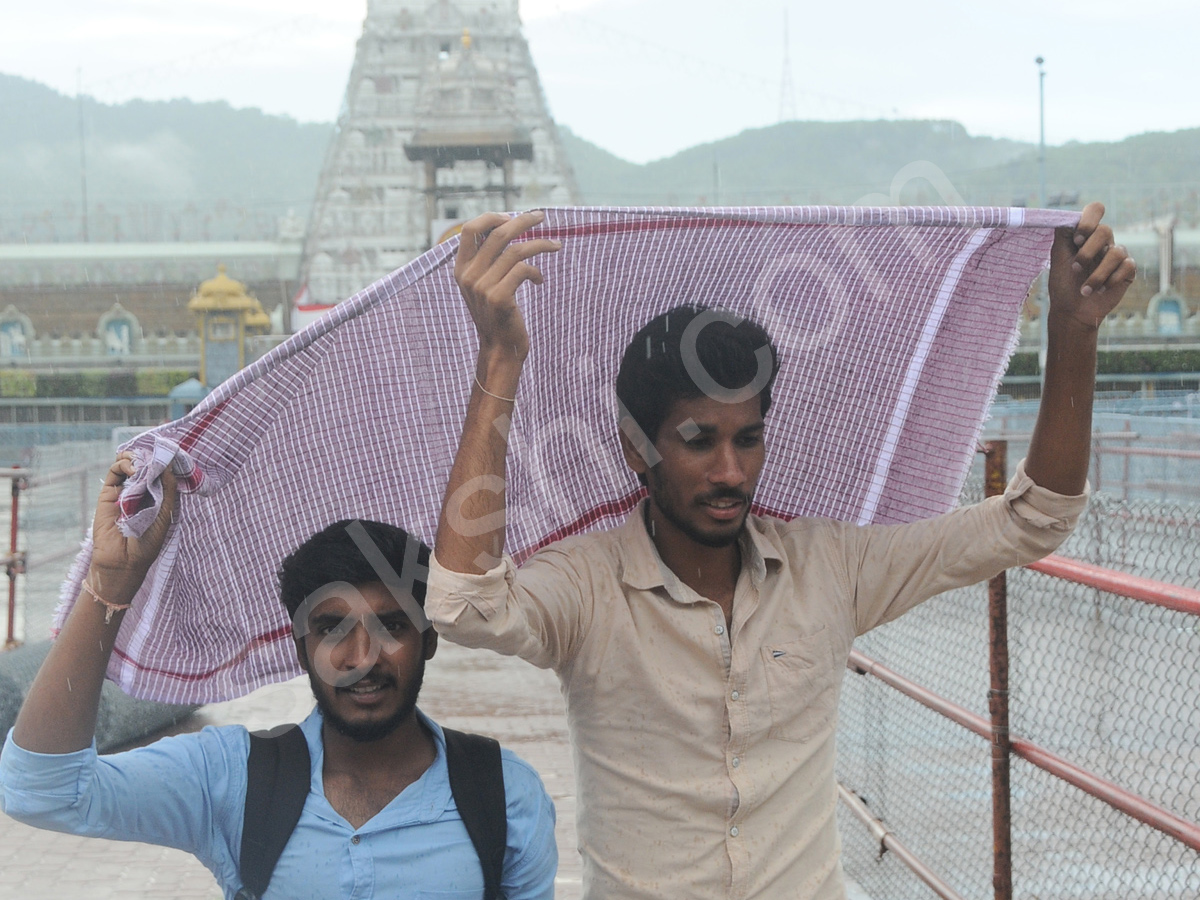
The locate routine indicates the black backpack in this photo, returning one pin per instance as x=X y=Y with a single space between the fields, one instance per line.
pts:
x=279 y=777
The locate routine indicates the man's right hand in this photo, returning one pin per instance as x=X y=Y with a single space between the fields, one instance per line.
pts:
x=490 y=268
x=59 y=713
x=119 y=563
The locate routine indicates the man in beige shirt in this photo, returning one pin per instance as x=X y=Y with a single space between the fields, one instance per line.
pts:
x=700 y=648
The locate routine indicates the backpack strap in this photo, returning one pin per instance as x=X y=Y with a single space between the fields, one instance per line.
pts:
x=278 y=779
x=477 y=782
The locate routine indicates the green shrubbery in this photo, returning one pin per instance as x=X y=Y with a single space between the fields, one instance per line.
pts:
x=1138 y=362
x=95 y=383
x=1121 y=362
x=17 y=383
x=69 y=384
x=1023 y=364
x=158 y=382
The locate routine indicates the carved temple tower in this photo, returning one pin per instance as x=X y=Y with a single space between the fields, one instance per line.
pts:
x=443 y=119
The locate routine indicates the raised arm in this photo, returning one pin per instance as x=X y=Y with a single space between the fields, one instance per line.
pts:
x=489 y=270
x=1089 y=275
x=59 y=713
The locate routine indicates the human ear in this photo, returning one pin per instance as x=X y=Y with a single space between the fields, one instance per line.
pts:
x=301 y=655
x=635 y=455
x=430 y=642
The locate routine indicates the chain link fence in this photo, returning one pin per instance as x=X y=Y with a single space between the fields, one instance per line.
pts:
x=54 y=510
x=1141 y=451
x=1110 y=684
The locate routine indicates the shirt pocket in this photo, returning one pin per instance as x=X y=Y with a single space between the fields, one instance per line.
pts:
x=802 y=686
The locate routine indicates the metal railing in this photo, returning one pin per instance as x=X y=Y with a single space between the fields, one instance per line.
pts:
x=50 y=508
x=14 y=560
x=913 y=828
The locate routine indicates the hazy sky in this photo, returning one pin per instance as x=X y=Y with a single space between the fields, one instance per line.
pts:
x=646 y=78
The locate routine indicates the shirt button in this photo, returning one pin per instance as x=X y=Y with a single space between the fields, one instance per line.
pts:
x=737 y=761
x=735 y=695
x=733 y=832
x=720 y=629
x=355 y=839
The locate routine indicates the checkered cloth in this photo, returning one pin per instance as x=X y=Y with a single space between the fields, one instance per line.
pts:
x=894 y=326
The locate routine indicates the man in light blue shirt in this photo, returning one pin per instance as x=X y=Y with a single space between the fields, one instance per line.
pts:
x=379 y=818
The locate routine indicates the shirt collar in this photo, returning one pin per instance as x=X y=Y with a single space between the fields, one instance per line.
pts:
x=422 y=801
x=758 y=549
x=643 y=568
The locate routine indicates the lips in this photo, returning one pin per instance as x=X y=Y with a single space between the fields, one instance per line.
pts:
x=365 y=692
x=725 y=508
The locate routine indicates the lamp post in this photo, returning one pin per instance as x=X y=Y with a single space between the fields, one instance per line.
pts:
x=1043 y=292
x=82 y=154
x=1041 y=133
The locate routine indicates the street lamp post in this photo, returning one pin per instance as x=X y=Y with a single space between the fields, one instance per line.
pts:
x=1041 y=133
x=1043 y=291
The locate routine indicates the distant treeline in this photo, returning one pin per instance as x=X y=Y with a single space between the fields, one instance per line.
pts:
x=204 y=171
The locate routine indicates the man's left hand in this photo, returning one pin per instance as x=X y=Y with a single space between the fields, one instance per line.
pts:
x=1089 y=272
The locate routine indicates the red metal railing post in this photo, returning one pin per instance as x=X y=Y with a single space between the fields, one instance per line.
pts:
x=995 y=477
x=13 y=567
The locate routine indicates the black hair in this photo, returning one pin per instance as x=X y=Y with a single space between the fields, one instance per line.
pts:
x=332 y=555
x=654 y=374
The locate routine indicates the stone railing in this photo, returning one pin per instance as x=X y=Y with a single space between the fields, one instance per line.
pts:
x=93 y=351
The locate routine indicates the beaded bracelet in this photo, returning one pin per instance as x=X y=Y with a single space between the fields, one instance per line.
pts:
x=109 y=608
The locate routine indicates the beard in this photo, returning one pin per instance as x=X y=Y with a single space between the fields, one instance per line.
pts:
x=366 y=732
x=660 y=497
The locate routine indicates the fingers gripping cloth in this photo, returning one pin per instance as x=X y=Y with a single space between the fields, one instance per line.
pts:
x=142 y=495
x=894 y=326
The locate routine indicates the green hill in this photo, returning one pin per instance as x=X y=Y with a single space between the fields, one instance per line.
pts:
x=1141 y=177
x=192 y=171
x=853 y=162
x=793 y=162
x=156 y=171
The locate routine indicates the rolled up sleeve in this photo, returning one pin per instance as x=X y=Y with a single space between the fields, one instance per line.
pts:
x=453 y=594
x=535 y=612
x=173 y=792
x=893 y=568
x=44 y=789
x=1043 y=509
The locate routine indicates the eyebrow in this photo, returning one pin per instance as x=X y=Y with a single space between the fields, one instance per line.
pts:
x=335 y=619
x=712 y=429
x=388 y=618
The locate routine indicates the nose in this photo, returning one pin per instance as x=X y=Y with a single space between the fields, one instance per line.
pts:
x=353 y=650
x=727 y=469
